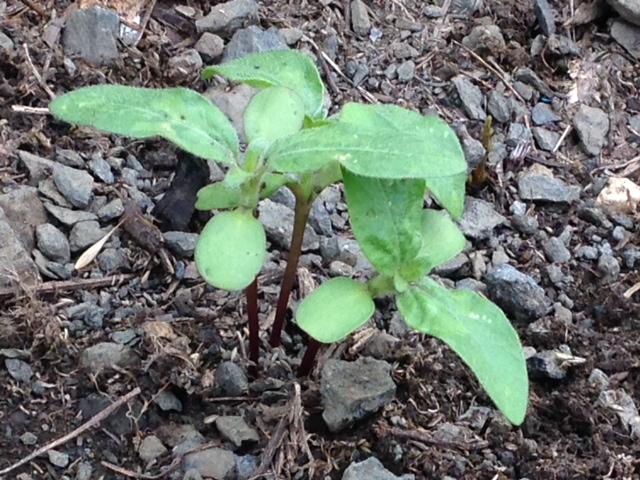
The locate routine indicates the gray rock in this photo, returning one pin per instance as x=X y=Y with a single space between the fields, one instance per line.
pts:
x=52 y=269
x=556 y=251
x=353 y=390
x=18 y=369
x=58 y=459
x=84 y=471
x=629 y=10
x=230 y=379
x=75 y=185
x=28 y=438
x=358 y=71
x=69 y=217
x=53 y=243
x=130 y=176
x=174 y=435
x=5 y=42
x=525 y=91
x=634 y=122
x=369 y=469
x=541 y=114
x=525 y=224
x=450 y=267
x=277 y=220
x=587 y=252
x=518 y=132
x=91 y=34
x=247 y=465
x=608 y=268
x=112 y=260
x=406 y=71
x=546 y=16
x=104 y=355
x=479 y=219
x=562 y=46
x=340 y=269
x=167 y=401
x=516 y=293
x=252 y=40
x=16 y=265
x=546 y=139
x=592 y=126
x=151 y=448
x=552 y=364
x=236 y=430
x=182 y=244
x=319 y=218
x=233 y=103
x=345 y=250
x=187 y=61
x=537 y=186
x=39 y=168
x=487 y=38
x=84 y=234
x=124 y=336
x=226 y=18
x=290 y=36
x=360 y=21
x=101 y=169
x=498 y=107
x=210 y=46
x=471 y=97
x=215 y=463
x=113 y=209
x=528 y=76
x=474 y=151
x=192 y=474
x=69 y=158
x=626 y=35
x=24 y=211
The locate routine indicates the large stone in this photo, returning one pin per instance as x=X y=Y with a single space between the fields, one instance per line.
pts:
x=226 y=18
x=592 y=125
x=252 y=40
x=277 y=220
x=75 y=185
x=92 y=34
x=107 y=355
x=479 y=219
x=24 y=211
x=216 y=463
x=629 y=10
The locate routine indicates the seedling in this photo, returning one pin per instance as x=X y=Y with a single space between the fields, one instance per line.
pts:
x=388 y=158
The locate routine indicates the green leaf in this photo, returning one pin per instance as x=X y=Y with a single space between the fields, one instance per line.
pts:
x=285 y=68
x=441 y=241
x=273 y=113
x=449 y=192
x=218 y=196
x=231 y=250
x=479 y=333
x=335 y=309
x=271 y=183
x=180 y=115
x=386 y=216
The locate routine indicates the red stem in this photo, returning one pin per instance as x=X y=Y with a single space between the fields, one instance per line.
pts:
x=251 y=293
x=309 y=357
x=302 y=210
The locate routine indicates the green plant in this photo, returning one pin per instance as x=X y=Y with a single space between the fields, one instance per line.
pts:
x=388 y=158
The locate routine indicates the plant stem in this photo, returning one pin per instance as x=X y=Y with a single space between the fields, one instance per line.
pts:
x=302 y=210
x=309 y=357
x=251 y=293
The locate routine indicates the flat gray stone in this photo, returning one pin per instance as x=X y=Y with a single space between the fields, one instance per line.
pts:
x=226 y=18
x=540 y=187
x=5 y=42
x=75 y=185
x=67 y=216
x=113 y=209
x=471 y=97
x=215 y=463
x=529 y=77
x=629 y=10
x=277 y=220
x=210 y=46
x=53 y=243
x=236 y=430
x=58 y=459
x=541 y=114
x=151 y=448
x=369 y=469
x=608 y=268
x=592 y=126
x=360 y=21
x=101 y=169
x=182 y=244
x=627 y=35
x=39 y=168
x=18 y=369
x=479 y=219
x=91 y=34
x=84 y=234
x=105 y=355
x=252 y=40
x=354 y=390
x=406 y=71
x=230 y=379
x=167 y=401
x=487 y=38
x=24 y=211
x=546 y=16
x=546 y=139
x=16 y=265
x=498 y=107
x=517 y=294
x=556 y=251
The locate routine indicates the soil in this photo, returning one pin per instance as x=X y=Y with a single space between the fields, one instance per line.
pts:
x=568 y=433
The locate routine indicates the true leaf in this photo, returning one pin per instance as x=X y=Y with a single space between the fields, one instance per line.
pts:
x=285 y=68
x=441 y=241
x=273 y=113
x=479 y=333
x=180 y=115
x=218 y=196
x=335 y=309
x=231 y=249
x=386 y=216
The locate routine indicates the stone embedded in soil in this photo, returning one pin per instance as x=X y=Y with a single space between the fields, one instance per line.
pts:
x=556 y=251
x=19 y=370
x=105 y=355
x=406 y=71
x=360 y=21
x=486 y=38
x=608 y=268
x=626 y=35
x=525 y=224
x=174 y=435
x=479 y=219
x=15 y=258
x=546 y=139
x=370 y=469
x=28 y=438
x=24 y=211
x=75 y=185
x=552 y=364
x=210 y=46
x=541 y=114
x=226 y=18
x=151 y=448
x=230 y=379
x=112 y=210
x=5 y=42
x=516 y=293
x=592 y=126
x=53 y=243
x=353 y=390
x=67 y=216
x=290 y=36
x=186 y=62
x=84 y=234
x=629 y=10
x=252 y=40
x=215 y=463
x=498 y=107
x=101 y=169
x=277 y=220
x=546 y=16
x=471 y=97
x=533 y=185
x=121 y=422
x=528 y=76
x=92 y=34
x=181 y=244
x=236 y=430
x=59 y=459
x=166 y=400
x=39 y=168
x=623 y=404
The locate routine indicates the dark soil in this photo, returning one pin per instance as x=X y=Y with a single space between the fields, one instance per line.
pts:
x=568 y=433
